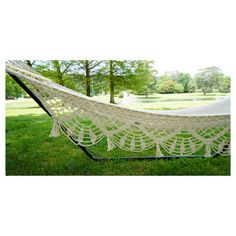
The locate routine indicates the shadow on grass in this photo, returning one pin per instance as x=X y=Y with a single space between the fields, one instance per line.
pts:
x=30 y=151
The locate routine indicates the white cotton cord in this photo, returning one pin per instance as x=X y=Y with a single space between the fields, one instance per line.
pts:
x=55 y=132
x=110 y=144
x=158 y=151
x=207 y=150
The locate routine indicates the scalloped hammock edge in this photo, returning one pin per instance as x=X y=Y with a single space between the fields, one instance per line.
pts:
x=178 y=133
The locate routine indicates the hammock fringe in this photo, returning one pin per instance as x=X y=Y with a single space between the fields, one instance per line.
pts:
x=158 y=151
x=208 y=150
x=55 y=132
x=110 y=144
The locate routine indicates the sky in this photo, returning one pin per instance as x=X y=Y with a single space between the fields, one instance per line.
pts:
x=195 y=34
x=191 y=66
x=183 y=35
x=189 y=56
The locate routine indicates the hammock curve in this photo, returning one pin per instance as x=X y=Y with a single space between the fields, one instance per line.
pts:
x=87 y=121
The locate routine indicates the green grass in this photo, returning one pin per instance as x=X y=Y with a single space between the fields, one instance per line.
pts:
x=30 y=151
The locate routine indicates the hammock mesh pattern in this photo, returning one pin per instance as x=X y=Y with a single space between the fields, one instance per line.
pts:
x=88 y=122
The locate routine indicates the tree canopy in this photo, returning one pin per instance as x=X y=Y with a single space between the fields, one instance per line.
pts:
x=209 y=78
x=93 y=77
x=180 y=78
x=128 y=75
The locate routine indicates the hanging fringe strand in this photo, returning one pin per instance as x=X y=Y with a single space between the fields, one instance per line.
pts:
x=208 y=150
x=110 y=144
x=158 y=151
x=55 y=132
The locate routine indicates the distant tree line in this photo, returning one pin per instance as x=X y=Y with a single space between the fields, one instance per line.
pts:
x=206 y=80
x=94 y=77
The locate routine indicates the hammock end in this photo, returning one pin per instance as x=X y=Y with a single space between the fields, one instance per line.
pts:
x=55 y=132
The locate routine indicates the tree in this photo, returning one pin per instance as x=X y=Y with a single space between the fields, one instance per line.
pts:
x=89 y=68
x=60 y=69
x=112 y=80
x=161 y=79
x=57 y=70
x=149 y=88
x=184 y=79
x=131 y=75
x=30 y=63
x=71 y=74
x=170 y=86
x=13 y=89
x=144 y=80
x=224 y=85
x=181 y=78
x=208 y=78
x=192 y=86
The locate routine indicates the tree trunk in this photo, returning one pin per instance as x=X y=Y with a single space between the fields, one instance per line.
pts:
x=60 y=78
x=88 y=80
x=56 y=64
x=112 y=85
x=28 y=62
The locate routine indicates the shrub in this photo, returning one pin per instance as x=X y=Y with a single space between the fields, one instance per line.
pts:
x=170 y=86
x=121 y=95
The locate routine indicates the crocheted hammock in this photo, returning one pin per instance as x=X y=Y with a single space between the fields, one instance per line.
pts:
x=86 y=121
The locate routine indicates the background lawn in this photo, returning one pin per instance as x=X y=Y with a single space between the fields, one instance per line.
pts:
x=30 y=150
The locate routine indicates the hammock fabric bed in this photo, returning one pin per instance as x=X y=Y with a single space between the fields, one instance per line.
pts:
x=86 y=122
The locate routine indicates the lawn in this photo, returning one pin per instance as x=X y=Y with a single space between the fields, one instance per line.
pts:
x=30 y=150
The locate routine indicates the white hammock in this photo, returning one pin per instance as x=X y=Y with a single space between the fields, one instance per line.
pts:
x=86 y=121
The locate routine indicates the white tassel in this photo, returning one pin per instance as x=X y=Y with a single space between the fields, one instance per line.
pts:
x=55 y=132
x=192 y=146
x=110 y=144
x=208 y=150
x=158 y=151
x=182 y=148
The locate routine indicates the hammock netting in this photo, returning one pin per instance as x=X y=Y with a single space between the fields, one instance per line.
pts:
x=87 y=121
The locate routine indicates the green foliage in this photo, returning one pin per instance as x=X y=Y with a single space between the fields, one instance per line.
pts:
x=144 y=77
x=150 y=88
x=57 y=70
x=208 y=78
x=144 y=81
x=181 y=78
x=178 y=88
x=132 y=75
x=13 y=90
x=92 y=77
x=224 y=85
x=169 y=86
x=90 y=72
x=184 y=79
x=192 y=86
